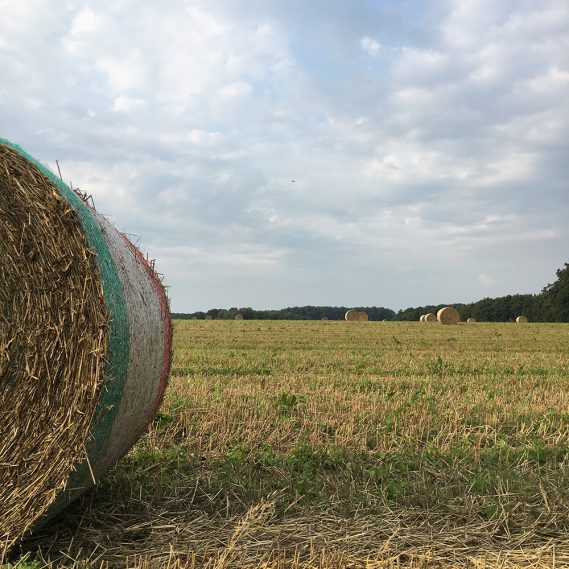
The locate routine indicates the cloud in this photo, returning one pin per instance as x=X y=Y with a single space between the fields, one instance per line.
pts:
x=486 y=280
x=370 y=46
x=437 y=157
x=86 y=21
x=128 y=104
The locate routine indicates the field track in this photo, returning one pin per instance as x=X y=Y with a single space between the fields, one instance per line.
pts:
x=341 y=444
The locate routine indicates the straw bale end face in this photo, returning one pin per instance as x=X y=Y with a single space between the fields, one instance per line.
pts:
x=430 y=317
x=239 y=317
x=448 y=316
x=521 y=320
x=83 y=317
x=363 y=316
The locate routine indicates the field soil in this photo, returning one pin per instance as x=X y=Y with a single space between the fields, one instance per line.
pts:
x=339 y=444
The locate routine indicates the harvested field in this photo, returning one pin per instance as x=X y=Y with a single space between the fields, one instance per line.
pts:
x=321 y=445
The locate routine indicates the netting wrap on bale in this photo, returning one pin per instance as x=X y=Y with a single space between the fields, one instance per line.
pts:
x=85 y=344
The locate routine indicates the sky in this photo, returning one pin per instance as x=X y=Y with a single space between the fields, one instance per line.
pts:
x=293 y=152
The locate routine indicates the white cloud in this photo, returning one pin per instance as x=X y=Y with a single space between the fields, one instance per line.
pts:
x=239 y=89
x=187 y=121
x=128 y=72
x=85 y=22
x=128 y=104
x=486 y=280
x=370 y=46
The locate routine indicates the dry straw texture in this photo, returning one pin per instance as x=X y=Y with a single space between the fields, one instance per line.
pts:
x=422 y=319
x=281 y=445
x=521 y=320
x=239 y=317
x=352 y=315
x=430 y=317
x=362 y=316
x=448 y=315
x=54 y=342
x=85 y=347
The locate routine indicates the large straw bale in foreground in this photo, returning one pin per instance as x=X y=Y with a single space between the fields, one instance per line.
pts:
x=448 y=315
x=521 y=320
x=430 y=317
x=352 y=315
x=85 y=344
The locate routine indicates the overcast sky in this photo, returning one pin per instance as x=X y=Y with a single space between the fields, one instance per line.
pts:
x=292 y=152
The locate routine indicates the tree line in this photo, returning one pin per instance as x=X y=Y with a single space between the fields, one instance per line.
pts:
x=550 y=305
x=291 y=313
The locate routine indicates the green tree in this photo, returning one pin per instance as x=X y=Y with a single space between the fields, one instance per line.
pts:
x=556 y=296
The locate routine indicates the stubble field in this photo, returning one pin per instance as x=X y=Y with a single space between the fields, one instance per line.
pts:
x=340 y=444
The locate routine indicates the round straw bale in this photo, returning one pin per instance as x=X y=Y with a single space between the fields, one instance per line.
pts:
x=85 y=347
x=208 y=317
x=448 y=315
x=430 y=317
x=352 y=315
x=422 y=318
x=471 y=320
x=239 y=317
x=521 y=320
x=363 y=316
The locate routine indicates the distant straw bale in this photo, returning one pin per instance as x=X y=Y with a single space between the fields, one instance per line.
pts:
x=430 y=317
x=208 y=317
x=363 y=316
x=324 y=318
x=239 y=317
x=471 y=320
x=448 y=315
x=521 y=320
x=422 y=319
x=352 y=315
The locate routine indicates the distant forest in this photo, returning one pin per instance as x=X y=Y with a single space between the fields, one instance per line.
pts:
x=550 y=305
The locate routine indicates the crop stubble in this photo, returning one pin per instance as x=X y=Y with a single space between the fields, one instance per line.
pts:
x=312 y=444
